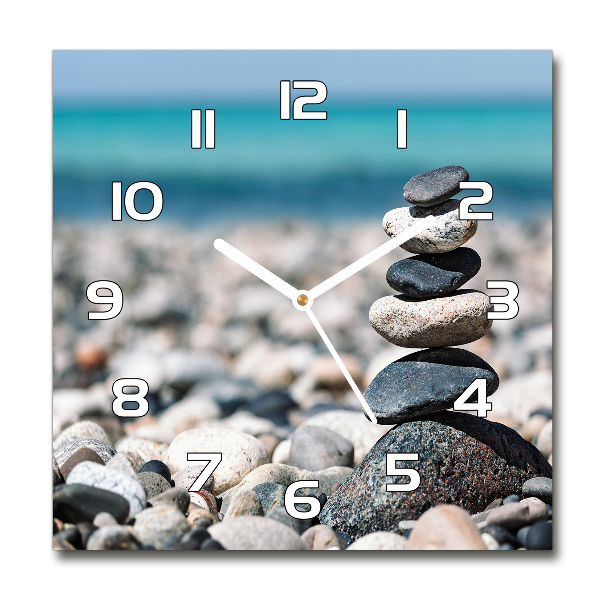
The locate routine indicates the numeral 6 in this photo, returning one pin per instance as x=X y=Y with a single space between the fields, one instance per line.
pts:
x=290 y=500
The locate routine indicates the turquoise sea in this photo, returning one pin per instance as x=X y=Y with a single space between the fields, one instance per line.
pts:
x=263 y=167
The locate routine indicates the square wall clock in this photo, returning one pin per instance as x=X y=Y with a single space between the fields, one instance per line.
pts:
x=302 y=300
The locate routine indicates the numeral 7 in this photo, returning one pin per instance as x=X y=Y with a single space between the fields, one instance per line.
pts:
x=213 y=459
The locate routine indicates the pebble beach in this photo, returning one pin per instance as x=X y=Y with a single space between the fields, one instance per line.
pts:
x=232 y=368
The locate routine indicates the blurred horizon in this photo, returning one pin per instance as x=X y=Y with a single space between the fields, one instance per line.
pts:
x=125 y=116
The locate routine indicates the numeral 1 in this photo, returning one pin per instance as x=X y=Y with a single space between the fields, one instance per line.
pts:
x=391 y=469
x=209 y=129
x=285 y=99
x=213 y=458
x=402 y=117
x=482 y=406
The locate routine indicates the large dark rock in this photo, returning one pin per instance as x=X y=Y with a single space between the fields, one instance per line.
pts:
x=431 y=275
x=425 y=382
x=75 y=502
x=463 y=460
x=434 y=187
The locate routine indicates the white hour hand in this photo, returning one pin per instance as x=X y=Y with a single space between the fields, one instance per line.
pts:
x=250 y=265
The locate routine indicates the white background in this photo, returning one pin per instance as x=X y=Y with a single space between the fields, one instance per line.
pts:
x=30 y=32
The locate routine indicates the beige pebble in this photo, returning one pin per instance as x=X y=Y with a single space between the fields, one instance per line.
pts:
x=322 y=537
x=379 y=540
x=244 y=503
x=518 y=514
x=544 y=441
x=445 y=527
x=241 y=453
x=452 y=320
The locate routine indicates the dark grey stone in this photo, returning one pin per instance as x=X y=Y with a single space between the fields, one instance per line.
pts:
x=500 y=534
x=156 y=466
x=81 y=455
x=272 y=405
x=538 y=487
x=70 y=446
x=194 y=539
x=425 y=382
x=154 y=484
x=463 y=460
x=113 y=537
x=212 y=545
x=432 y=275
x=174 y=497
x=506 y=547
x=270 y=495
x=539 y=536
x=522 y=536
x=279 y=513
x=434 y=187
x=511 y=498
x=316 y=448
x=74 y=503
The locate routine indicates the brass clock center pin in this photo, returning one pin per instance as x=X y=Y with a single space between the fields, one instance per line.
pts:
x=302 y=299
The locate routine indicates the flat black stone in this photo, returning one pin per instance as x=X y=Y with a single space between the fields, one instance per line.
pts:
x=426 y=382
x=76 y=502
x=434 y=187
x=432 y=275
x=463 y=460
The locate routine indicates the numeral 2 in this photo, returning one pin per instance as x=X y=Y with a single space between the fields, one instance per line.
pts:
x=299 y=114
x=487 y=194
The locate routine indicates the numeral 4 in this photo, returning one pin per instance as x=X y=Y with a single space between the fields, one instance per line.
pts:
x=482 y=406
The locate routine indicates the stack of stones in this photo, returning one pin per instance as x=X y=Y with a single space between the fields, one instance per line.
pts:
x=464 y=460
x=430 y=312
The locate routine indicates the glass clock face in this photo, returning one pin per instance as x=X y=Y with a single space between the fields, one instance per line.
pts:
x=302 y=300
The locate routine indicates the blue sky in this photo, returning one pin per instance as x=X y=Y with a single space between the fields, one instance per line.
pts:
x=167 y=75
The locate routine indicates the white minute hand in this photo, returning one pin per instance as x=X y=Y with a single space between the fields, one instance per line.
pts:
x=250 y=265
x=371 y=257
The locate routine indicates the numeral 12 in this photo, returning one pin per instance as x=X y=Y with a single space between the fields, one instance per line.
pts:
x=298 y=107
